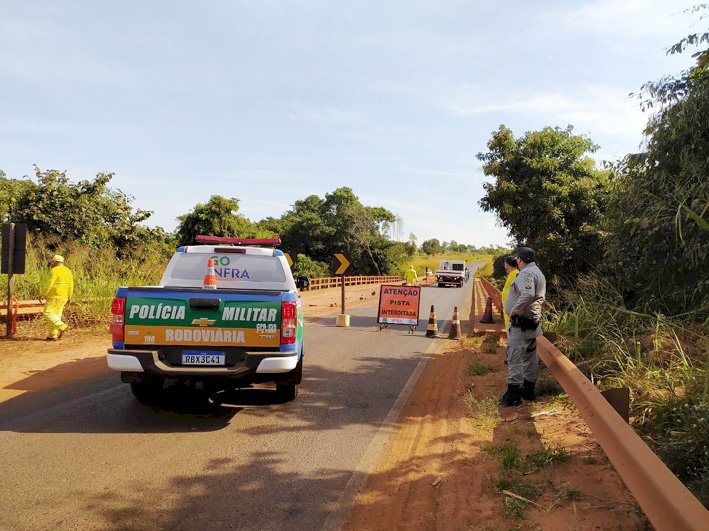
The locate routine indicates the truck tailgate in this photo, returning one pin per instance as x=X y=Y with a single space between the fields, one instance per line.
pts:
x=200 y=318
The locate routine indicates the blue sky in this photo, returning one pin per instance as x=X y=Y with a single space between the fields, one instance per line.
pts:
x=271 y=101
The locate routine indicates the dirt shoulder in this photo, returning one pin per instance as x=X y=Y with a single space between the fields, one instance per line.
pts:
x=455 y=451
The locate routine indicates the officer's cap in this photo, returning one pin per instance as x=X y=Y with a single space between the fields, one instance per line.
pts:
x=526 y=254
x=58 y=258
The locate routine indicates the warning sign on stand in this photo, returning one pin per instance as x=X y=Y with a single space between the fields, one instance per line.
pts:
x=399 y=305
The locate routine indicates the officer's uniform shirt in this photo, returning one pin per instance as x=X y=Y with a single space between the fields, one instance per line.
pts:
x=525 y=298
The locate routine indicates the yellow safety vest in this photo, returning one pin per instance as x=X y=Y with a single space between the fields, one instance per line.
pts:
x=61 y=284
x=511 y=276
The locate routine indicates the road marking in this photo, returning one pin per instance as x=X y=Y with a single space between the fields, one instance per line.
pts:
x=371 y=455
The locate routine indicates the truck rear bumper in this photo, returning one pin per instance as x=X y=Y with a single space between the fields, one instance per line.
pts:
x=149 y=361
x=124 y=362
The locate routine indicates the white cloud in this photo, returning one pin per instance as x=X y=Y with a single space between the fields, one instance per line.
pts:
x=598 y=109
x=626 y=19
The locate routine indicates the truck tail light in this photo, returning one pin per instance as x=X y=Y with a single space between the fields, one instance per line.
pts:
x=118 y=309
x=288 y=323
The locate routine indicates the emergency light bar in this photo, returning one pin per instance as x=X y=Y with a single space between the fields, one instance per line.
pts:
x=238 y=241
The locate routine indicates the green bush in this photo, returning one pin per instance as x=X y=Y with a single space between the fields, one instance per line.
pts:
x=97 y=274
x=663 y=361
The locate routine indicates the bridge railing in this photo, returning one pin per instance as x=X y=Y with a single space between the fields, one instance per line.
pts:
x=335 y=282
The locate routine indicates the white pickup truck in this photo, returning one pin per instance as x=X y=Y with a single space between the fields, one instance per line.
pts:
x=451 y=273
x=226 y=314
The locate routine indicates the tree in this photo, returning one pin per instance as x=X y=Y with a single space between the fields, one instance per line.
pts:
x=657 y=216
x=88 y=212
x=305 y=267
x=305 y=231
x=549 y=194
x=319 y=227
x=432 y=246
x=12 y=191
x=217 y=217
x=411 y=245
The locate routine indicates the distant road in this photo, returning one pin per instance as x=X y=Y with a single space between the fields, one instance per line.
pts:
x=88 y=456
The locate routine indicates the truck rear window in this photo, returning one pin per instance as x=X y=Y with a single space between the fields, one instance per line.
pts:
x=229 y=268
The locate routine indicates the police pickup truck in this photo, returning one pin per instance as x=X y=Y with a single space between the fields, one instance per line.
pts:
x=225 y=315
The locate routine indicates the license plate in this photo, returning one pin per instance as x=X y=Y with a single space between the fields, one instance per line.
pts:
x=196 y=357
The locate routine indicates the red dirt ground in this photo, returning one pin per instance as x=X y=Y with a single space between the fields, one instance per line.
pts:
x=435 y=472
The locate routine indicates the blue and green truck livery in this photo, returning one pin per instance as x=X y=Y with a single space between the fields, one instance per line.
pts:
x=225 y=315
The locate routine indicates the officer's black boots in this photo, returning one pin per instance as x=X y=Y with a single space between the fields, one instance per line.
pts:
x=527 y=391
x=511 y=396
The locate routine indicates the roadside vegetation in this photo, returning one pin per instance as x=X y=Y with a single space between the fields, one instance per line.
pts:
x=624 y=248
x=106 y=244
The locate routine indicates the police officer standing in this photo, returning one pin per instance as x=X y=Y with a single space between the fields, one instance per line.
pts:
x=524 y=306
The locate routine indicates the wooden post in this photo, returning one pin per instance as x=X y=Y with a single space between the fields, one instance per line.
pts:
x=343 y=294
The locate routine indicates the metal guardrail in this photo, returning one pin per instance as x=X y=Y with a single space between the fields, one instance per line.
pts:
x=335 y=282
x=667 y=503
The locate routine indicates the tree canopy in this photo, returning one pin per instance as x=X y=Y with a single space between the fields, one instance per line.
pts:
x=549 y=194
x=339 y=222
x=217 y=217
x=87 y=211
x=656 y=218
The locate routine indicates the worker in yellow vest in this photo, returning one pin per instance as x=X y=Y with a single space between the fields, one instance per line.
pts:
x=512 y=272
x=411 y=276
x=58 y=293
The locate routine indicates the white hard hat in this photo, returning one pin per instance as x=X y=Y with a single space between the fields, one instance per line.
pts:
x=58 y=258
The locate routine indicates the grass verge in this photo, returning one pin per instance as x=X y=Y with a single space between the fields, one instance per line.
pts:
x=475 y=368
x=485 y=412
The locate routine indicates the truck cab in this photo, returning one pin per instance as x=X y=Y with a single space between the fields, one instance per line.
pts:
x=451 y=273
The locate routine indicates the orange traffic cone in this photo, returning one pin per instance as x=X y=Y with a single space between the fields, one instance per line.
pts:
x=487 y=316
x=432 y=328
x=455 y=326
x=210 y=279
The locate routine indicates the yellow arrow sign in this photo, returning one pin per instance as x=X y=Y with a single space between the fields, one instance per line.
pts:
x=344 y=263
x=289 y=260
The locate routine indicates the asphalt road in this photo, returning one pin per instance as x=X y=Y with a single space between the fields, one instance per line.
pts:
x=88 y=456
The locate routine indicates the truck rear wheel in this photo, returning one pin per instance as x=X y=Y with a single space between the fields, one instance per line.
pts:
x=147 y=391
x=286 y=392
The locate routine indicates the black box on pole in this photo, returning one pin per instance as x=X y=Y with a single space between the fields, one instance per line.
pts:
x=19 y=248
